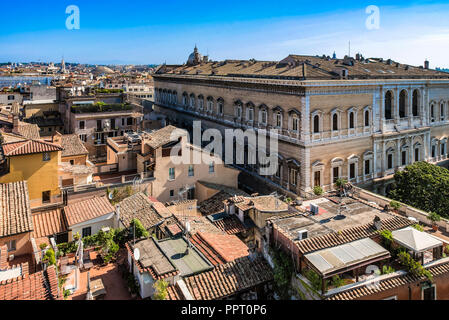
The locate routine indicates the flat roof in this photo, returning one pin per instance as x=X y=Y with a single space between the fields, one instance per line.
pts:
x=190 y=264
x=351 y=255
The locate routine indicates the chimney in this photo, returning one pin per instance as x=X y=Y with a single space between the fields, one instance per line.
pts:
x=426 y=64
x=15 y=124
x=377 y=223
x=57 y=138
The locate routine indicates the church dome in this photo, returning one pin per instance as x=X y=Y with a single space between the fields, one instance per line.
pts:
x=195 y=57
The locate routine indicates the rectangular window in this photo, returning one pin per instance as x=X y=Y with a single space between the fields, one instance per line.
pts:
x=390 y=161
x=278 y=120
x=123 y=121
x=46 y=197
x=293 y=177
x=129 y=121
x=87 y=232
x=429 y=293
x=416 y=154
x=11 y=245
x=367 y=167
x=250 y=114
x=212 y=167
x=352 y=174
x=11 y=98
x=171 y=174
x=404 y=158
x=264 y=117
x=295 y=124
x=83 y=137
x=82 y=125
x=46 y=156
x=191 y=171
x=336 y=174
x=172 y=193
x=433 y=152
x=317 y=179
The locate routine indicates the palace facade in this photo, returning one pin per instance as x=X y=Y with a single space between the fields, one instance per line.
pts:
x=353 y=118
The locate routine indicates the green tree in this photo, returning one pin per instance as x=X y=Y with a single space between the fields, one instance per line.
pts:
x=160 y=292
x=424 y=186
x=141 y=232
x=49 y=257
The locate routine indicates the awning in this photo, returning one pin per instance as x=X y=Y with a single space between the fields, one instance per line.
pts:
x=350 y=256
x=415 y=240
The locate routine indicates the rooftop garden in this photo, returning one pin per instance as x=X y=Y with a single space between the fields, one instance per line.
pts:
x=99 y=90
x=101 y=107
x=424 y=186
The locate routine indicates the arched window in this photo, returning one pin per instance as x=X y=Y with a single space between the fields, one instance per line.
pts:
x=316 y=124
x=415 y=103
x=403 y=104
x=351 y=120
x=335 y=122
x=367 y=118
x=388 y=105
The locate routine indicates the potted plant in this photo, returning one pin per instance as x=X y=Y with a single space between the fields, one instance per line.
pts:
x=395 y=206
x=318 y=191
x=434 y=218
x=340 y=184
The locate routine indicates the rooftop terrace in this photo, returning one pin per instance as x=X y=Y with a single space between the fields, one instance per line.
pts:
x=188 y=264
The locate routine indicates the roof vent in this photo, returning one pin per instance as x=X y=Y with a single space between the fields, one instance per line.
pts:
x=303 y=234
x=377 y=223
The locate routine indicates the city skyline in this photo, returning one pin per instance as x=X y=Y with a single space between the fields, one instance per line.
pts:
x=143 y=32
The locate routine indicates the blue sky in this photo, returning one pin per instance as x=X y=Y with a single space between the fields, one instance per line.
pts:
x=137 y=31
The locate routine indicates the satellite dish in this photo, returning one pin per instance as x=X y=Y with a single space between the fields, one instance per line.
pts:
x=111 y=195
x=136 y=254
x=187 y=227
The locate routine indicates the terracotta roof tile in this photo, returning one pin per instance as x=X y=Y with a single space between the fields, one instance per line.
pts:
x=162 y=136
x=140 y=207
x=42 y=285
x=389 y=283
x=229 y=279
x=350 y=235
x=72 y=146
x=230 y=225
x=29 y=147
x=219 y=249
x=48 y=223
x=86 y=210
x=15 y=211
